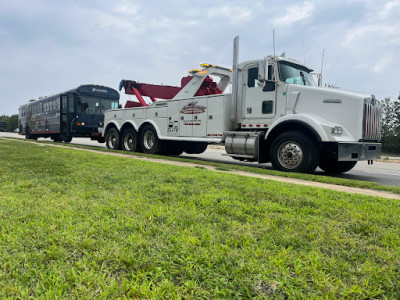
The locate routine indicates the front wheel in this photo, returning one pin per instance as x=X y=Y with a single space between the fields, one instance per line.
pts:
x=337 y=167
x=130 y=140
x=294 y=151
x=113 y=139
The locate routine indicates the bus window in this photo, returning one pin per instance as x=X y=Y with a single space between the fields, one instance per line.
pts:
x=71 y=103
x=91 y=105
x=108 y=104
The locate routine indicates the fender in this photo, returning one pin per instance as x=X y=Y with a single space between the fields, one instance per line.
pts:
x=313 y=122
x=113 y=122
x=149 y=121
x=133 y=123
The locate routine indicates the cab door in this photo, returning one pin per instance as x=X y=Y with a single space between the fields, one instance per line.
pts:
x=64 y=122
x=260 y=102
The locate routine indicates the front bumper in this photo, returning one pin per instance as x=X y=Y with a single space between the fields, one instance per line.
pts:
x=358 y=151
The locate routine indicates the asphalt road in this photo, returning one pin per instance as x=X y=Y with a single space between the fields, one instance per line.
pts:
x=385 y=173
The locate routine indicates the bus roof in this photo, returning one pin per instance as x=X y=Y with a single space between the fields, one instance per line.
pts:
x=84 y=90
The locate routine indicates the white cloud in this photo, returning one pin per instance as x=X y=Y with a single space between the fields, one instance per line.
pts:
x=232 y=13
x=295 y=13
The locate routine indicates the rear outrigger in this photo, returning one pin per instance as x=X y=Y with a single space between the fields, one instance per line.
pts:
x=274 y=114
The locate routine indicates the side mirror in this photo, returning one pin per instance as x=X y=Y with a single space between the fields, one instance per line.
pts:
x=269 y=86
x=263 y=70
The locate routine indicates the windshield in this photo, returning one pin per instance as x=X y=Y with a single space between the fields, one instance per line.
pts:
x=95 y=106
x=292 y=73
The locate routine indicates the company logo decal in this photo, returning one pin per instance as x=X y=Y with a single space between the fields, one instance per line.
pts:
x=193 y=108
x=98 y=90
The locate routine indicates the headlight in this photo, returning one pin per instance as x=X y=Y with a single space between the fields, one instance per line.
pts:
x=337 y=130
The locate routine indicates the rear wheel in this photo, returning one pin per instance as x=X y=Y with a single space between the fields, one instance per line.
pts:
x=149 y=140
x=56 y=138
x=130 y=140
x=28 y=134
x=67 y=139
x=113 y=139
x=337 y=167
x=294 y=151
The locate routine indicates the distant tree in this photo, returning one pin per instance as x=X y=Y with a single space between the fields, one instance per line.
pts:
x=391 y=125
x=11 y=122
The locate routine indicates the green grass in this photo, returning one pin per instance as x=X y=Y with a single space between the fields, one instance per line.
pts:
x=81 y=225
x=255 y=169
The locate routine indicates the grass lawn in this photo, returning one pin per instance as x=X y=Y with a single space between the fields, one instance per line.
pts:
x=83 y=225
x=252 y=169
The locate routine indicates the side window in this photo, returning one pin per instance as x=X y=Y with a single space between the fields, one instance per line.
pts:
x=270 y=73
x=71 y=103
x=267 y=107
x=64 y=104
x=252 y=77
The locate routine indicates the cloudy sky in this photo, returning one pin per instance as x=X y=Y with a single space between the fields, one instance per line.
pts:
x=49 y=46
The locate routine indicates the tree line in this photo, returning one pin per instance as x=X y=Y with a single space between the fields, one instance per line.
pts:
x=391 y=126
x=11 y=122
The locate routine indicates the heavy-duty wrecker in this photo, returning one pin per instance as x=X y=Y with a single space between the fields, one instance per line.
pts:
x=275 y=113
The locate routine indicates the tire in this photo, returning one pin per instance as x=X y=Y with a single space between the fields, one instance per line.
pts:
x=337 y=167
x=28 y=134
x=113 y=139
x=56 y=138
x=67 y=139
x=195 y=147
x=149 y=141
x=294 y=151
x=130 y=140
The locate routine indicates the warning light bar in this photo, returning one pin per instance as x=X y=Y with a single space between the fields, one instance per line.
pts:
x=215 y=67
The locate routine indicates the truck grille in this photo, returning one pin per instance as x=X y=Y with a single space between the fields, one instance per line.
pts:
x=372 y=123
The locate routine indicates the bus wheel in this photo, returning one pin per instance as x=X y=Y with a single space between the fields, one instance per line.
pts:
x=56 y=138
x=130 y=140
x=28 y=134
x=294 y=151
x=113 y=140
x=149 y=141
x=67 y=139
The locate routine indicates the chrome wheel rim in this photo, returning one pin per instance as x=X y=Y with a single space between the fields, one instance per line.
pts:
x=148 y=140
x=112 y=141
x=129 y=142
x=290 y=155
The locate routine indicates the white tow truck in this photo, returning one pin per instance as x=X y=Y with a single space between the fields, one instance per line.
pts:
x=275 y=113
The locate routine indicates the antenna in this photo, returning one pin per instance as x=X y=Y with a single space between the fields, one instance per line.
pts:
x=322 y=64
x=273 y=39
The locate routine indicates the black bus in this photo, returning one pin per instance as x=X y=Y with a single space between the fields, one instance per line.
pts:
x=3 y=126
x=75 y=113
